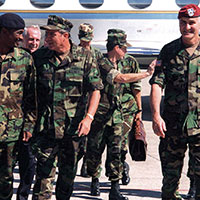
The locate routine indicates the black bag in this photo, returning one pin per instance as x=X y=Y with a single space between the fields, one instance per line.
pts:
x=137 y=141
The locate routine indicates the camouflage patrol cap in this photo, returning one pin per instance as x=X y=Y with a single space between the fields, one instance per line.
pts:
x=57 y=23
x=86 y=32
x=118 y=37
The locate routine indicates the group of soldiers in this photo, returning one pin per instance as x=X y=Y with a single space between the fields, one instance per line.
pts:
x=49 y=97
x=63 y=102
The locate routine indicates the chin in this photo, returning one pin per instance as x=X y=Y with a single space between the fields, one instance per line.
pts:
x=50 y=47
x=188 y=37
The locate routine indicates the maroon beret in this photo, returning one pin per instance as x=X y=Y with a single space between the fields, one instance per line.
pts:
x=190 y=10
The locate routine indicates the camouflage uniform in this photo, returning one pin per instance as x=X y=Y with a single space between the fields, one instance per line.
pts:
x=17 y=111
x=62 y=99
x=179 y=75
x=129 y=104
x=86 y=35
x=107 y=128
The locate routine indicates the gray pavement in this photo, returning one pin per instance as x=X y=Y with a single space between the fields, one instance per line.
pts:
x=146 y=177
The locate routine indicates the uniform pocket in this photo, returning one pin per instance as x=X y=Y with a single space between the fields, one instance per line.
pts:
x=17 y=78
x=74 y=86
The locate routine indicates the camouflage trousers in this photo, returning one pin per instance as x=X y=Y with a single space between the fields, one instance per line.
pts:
x=172 y=151
x=8 y=157
x=100 y=136
x=127 y=125
x=51 y=153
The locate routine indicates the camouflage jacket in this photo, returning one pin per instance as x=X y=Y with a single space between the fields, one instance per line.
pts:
x=96 y=53
x=129 y=104
x=117 y=99
x=17 y=95
x=179 y=74
x=63 y=87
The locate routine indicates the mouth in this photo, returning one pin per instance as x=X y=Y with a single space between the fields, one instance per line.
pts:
x=187 y=33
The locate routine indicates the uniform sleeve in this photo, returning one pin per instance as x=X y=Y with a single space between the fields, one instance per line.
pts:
x=93 y=77
x=135 y=69
x=111 y=76
x=159 y=75
x=30 y=107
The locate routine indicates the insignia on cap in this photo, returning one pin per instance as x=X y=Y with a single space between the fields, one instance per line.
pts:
x=191 y=12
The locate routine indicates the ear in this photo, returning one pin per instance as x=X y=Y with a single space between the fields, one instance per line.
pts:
x=116 y=47
x=66 y=35
x=4 y=30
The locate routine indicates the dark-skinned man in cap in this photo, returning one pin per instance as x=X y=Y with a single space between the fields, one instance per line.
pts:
x=17 y=98
x=178 y=72
x=66 y=76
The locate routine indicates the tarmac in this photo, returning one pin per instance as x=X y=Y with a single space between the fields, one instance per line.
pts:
x=146 y=176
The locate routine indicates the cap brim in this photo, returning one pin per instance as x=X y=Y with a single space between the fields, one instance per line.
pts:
x=127 y=44
x=49 y=27
x=85 y=39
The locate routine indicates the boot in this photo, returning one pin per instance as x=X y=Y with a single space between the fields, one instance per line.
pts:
x=177 y=197
x=95 y=187
x=125 y=174
x=115 y=192
x=84 y=170
x=192 y=190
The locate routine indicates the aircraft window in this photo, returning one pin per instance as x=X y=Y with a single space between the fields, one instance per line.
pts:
x=2 y=2
x=91 y=3
x=182 y=3
x=139 y=3
x=42 y=3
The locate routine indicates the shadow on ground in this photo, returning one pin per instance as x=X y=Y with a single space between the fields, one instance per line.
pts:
x=83 y=189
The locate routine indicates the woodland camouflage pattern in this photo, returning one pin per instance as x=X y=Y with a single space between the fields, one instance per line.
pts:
x=63 y=89
x=57 y=23
x=17 y=92
x=118 y=37
x=6 y=170
x=128 y=102
x=17 y=110
x=96 y=53
x=107 y=128
x=65 y=86
x=86 y=32
x=182 y=89
x=179 y=74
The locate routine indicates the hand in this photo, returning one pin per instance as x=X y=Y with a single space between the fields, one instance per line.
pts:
x=84 y=126
x=26 y=136
x=138 y=116
x=151 y=67
x=159 y=126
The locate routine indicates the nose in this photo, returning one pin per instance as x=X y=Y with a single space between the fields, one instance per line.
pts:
x=187 y=26
x=20 y=38
x=34 y=41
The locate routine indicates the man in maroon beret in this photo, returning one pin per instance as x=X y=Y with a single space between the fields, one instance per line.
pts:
x=178 y=74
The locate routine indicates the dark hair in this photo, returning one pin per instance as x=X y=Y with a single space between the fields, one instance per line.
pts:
x=110 y=46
